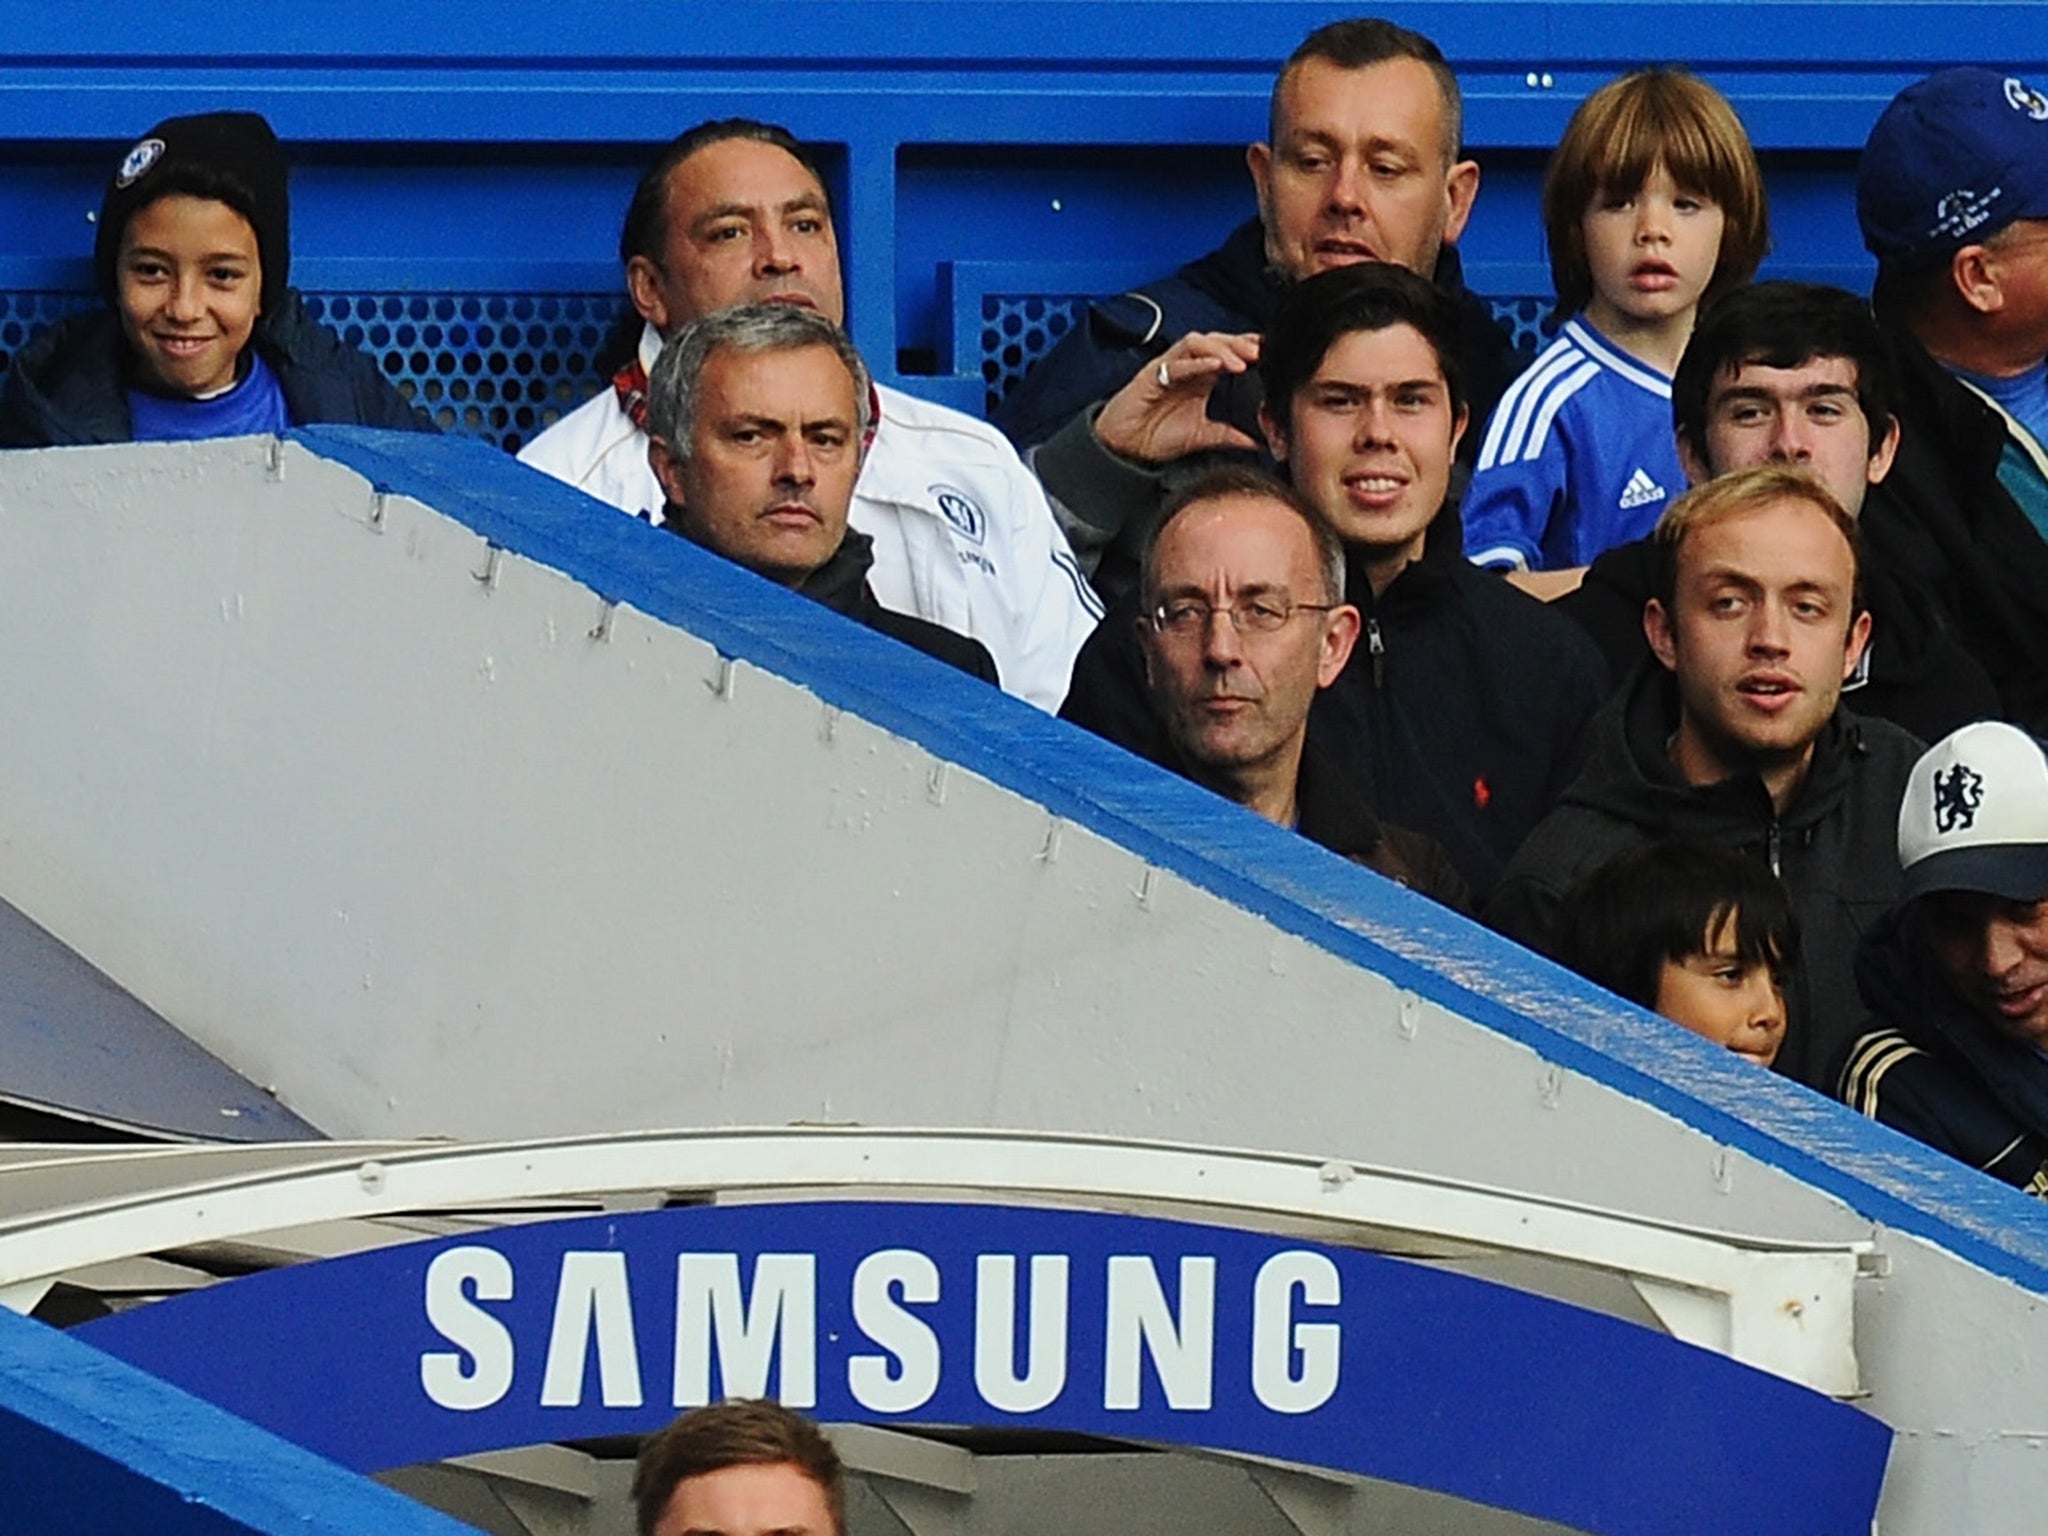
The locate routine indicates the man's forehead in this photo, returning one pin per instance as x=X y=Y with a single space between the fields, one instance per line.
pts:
x=1768 y=539
x=1388 y=354
x=1317 y=88
x=1248 y=539
x=741 y=173
x=1755 y=375
x=782 y=381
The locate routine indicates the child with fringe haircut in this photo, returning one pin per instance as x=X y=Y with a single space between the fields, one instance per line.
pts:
x=1701 y=934
x=1652 y=204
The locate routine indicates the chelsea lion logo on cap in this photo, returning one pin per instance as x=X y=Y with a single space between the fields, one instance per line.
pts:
x=2025 y=98
x=138 y=161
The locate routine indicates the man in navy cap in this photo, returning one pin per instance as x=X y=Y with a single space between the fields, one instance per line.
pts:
x=1958 y=974
x=1952 y=196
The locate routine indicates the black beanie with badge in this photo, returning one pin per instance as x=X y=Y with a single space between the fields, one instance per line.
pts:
x=230 y=157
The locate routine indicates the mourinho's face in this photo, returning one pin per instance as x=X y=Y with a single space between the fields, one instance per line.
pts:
x=774 y=452
x=1761 y=633
x=1808 y=415
x=1360 y=169
x=747 y=224
x=773 y=1499
x=1994 y=953
x=1233 y=658
x=1369 y=439
x=189 y=283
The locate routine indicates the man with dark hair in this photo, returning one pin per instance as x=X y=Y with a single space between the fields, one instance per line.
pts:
x=1737 y=738
x=1952 y=197
x=1957 y=975
x=1799 y=374
x=739 y=1468
x=1461 y=718
x=756 y=418
x=1363 y=163
x=1244 y=623
x=733 y=212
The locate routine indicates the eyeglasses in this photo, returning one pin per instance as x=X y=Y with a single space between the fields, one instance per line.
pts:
x=1186 y=617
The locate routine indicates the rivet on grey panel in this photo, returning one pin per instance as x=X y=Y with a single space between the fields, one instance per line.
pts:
x=273 y=458
x=1410 y=1015
x=601 y=632
x=1552 y=1087
x=828 y=725
x=1049 y=850
x=936 y=781
x=371 y=1176
x=720 y=682
x=494 y=562
x=378 y=508
x=1146 y=883
x=1724 y=1170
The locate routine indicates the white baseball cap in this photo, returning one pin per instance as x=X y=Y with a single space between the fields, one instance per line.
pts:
x=1975 y=816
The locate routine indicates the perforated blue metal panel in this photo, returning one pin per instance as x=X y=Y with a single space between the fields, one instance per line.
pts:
x=496 y=366
x=1018 y=329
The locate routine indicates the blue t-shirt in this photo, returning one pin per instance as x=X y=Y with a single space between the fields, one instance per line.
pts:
x=1579 y=457
x=255 y=405
x=2024 y=396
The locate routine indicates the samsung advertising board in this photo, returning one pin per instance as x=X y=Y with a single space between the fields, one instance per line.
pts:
x=1123 y=1326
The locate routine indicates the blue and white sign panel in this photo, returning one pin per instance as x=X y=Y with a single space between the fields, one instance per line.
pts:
x=972 y=1314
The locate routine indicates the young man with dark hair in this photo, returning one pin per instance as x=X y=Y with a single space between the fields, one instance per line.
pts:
x=1799 y=374
x=757 y=419
x=739 y=1468
x=1461 y=717
x=1952 y=197
x=1737 y=738
x=734 y=213
x=1363 y=163
x=1957 y=975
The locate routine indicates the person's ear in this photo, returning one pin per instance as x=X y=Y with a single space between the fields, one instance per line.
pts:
x=1258 y=159
x=1340 y=634
x=1882 y=454
x=1696 y=471
x=1461 y=191
x=1974 y=272
x=668 y=469
x=643 y=287
x=1657 y=630
x=1275 y=433
x=1464 y=420
x=1859 y=637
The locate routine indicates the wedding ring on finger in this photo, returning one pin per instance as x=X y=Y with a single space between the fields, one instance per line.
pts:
x=1165 y=379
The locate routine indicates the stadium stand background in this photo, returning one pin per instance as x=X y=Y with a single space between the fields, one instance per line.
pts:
x=461 y=172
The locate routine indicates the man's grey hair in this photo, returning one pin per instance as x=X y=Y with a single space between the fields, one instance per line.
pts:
x=672 y=387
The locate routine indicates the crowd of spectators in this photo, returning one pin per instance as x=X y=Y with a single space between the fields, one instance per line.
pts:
x=1632 y=649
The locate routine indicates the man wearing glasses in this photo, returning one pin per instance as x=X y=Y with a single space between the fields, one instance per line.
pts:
x=1462 y=715
x=1244 y=623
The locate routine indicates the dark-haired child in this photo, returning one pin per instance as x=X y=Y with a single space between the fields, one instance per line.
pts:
x=201 y=336
x=1700 y=934
x=1653 y=202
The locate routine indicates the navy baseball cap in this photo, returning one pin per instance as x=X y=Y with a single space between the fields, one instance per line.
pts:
x=1952 y=161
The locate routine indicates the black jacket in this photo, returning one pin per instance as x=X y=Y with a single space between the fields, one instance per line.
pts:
x=68 y=384
x=1459 y=714
x=1931 y=1068
x=1329 y=810
x=841 y=584
x=1104 y=502
x=1833 y=847
x=1949 y=527
x=1918 y=674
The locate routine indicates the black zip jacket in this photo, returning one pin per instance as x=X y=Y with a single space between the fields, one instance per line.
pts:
x=1947 y=525
x=1931 y=1068
x=1459 y=714
x=1834 y=847
x=841 y=584
x=1917 y=675
x=68 y=385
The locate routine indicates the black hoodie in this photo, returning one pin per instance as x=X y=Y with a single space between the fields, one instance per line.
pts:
x=1835 y=846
